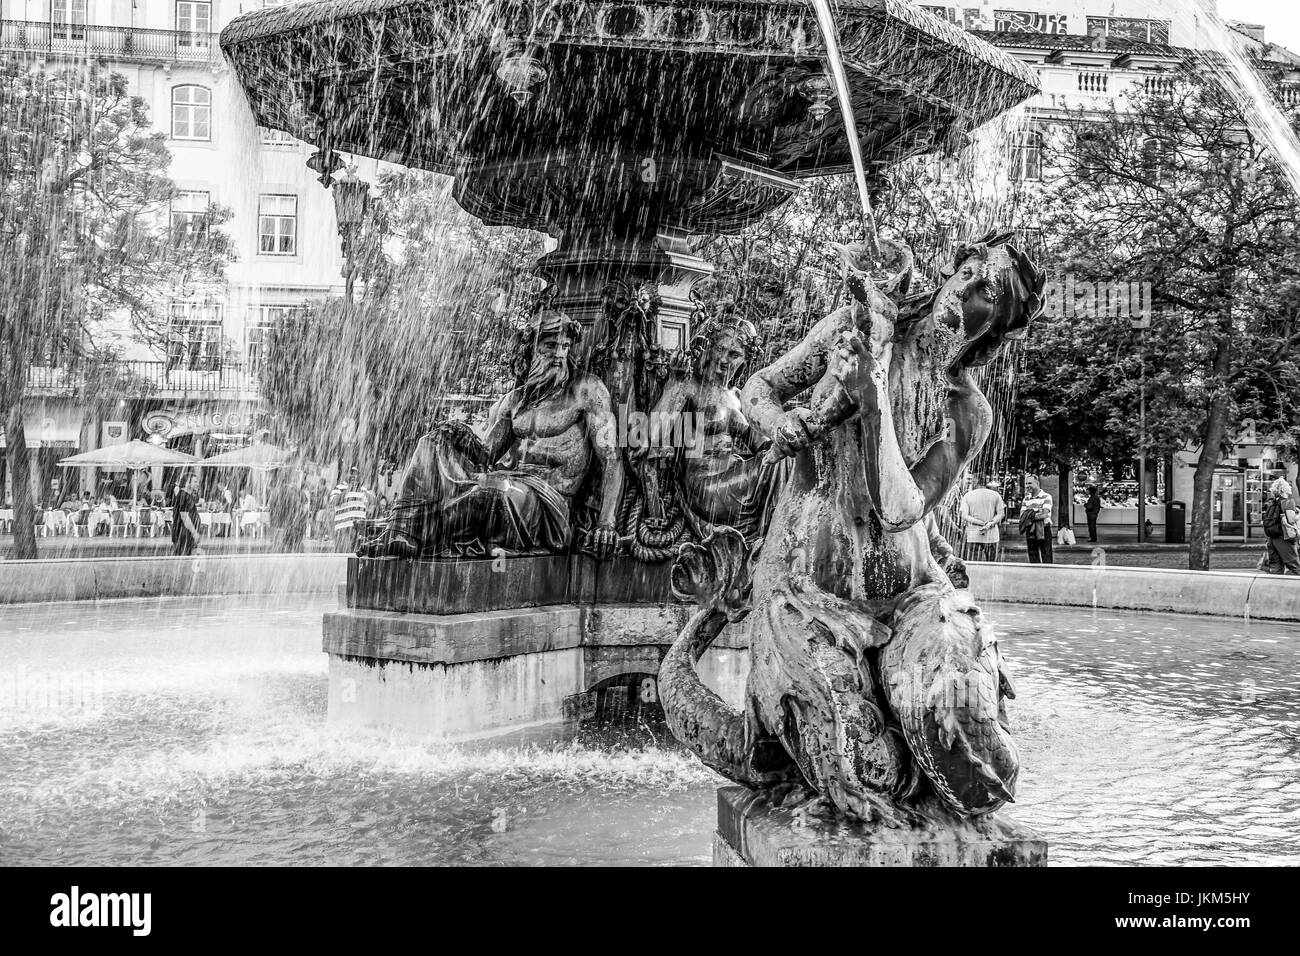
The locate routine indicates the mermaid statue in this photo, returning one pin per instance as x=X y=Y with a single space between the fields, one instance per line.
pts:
x=719 y=476
x=874 y=682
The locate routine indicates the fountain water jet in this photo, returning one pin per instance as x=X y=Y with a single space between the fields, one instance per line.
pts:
x=1257 y=105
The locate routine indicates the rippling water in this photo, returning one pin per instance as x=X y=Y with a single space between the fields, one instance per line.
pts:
x=194 y=732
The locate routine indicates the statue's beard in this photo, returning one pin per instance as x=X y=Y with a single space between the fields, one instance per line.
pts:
x=544 y=380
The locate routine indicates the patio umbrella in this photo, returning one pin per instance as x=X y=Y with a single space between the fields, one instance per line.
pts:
x=134 y=455
x=262 y=457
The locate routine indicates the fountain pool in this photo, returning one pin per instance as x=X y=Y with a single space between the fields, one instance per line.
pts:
x=193 y=731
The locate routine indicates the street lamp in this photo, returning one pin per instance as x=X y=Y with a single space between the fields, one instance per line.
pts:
x=351 y=206
x=1140 y=323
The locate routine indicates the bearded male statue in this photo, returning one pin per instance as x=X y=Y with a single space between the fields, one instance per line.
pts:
x=515 y=487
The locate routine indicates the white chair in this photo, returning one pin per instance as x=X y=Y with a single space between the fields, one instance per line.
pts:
x=250 y=522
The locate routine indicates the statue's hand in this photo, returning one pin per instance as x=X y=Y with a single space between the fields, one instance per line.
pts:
x=794 y=432
x=851 y=361
x=955 y=568
x=601 y=542
x=463 y=438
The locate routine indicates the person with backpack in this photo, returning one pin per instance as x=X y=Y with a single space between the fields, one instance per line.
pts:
x=1282 y=527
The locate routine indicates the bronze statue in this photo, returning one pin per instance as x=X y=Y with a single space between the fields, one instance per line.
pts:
x=719 y=475
x=873 y=680
x=515 y=488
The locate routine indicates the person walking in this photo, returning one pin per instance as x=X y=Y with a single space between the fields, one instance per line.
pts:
x=1282 y=527
x=1036 y=521
x=185 y=519
x=982 y=511
x=351 y=501
x=1092 y=508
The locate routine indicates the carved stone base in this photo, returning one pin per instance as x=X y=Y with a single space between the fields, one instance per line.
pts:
x=753 y=832
x=475 y=586
x=458 y=676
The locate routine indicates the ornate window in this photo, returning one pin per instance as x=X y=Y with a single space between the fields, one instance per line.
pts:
x=192 y=113
x=193 y=25
x=68 y=20
x=262 y=320
x=194 y=337
x=277 y=225
x=1027 y=156
x=189 y=214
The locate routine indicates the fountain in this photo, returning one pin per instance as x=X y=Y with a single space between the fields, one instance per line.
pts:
x=497 y=594
x=620 y=127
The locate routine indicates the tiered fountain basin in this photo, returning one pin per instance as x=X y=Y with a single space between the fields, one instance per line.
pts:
x=471 y=648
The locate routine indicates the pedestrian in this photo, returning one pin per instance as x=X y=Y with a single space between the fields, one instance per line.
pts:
x=351 y=502
x=185 y=518
x=1036 y=521
x=982 y=511
x=1092 y=508
x=1282 y=527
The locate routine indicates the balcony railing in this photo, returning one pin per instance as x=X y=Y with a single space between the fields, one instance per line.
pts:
x=108 y=43
x=156 y=378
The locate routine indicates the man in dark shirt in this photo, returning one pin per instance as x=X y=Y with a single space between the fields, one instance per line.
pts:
x=185 y=518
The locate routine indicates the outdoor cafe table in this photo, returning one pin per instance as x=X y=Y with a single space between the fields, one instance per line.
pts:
x=212 y=520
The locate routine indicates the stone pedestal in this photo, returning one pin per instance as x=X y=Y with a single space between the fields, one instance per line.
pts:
x=460 y=649
x=753 y=832
x=469 y=586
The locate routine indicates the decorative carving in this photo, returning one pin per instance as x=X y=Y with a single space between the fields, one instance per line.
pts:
x=881 y=683
x=516 y=488
x=413 y=82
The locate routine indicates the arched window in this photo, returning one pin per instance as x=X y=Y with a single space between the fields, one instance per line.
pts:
x=1027 y=156
x=192 y=113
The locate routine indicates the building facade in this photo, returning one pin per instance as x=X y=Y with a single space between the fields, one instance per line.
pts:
x=200 y=391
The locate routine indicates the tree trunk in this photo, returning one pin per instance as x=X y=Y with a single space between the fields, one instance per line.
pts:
x=1199 y=539
x=20 y=469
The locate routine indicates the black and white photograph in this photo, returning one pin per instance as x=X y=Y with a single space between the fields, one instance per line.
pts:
x=650 y=433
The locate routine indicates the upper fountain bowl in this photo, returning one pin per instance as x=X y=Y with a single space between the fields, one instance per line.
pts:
x=634 y=114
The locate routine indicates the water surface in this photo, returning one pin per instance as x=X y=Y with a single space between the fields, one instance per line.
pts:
x=193 y=731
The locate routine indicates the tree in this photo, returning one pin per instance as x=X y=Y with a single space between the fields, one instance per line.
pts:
x=783 y=265
x=84 y=237
x=1175 y=194
x=440 y=290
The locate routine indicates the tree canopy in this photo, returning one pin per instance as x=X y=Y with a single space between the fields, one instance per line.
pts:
x=1168 y=196
x=86 y=246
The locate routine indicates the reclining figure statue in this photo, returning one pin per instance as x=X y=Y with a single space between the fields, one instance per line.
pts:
x=514 y=489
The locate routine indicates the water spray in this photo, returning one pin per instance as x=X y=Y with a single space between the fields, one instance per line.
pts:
x=826 y=21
